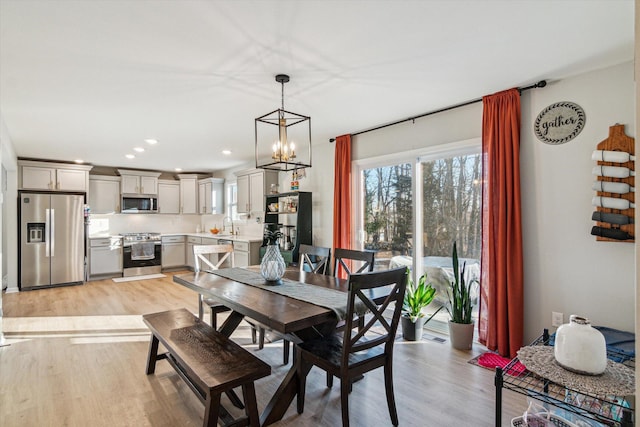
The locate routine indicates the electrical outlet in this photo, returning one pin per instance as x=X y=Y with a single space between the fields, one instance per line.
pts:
x=557 y=319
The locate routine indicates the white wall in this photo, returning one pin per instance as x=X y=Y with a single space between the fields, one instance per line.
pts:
x=637 y=228
x=565 y=269
x=9 y=248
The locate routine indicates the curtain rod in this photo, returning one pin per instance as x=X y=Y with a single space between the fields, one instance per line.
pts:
x=541 y=83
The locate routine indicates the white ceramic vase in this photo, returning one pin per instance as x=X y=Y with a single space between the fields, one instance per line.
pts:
x=580 y=348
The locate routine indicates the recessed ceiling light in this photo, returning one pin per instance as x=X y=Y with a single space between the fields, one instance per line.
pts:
x=79 y=161
x=138 y=149
x=178 y=169
x=130 y=156
x=151 y=141
x=226 y=152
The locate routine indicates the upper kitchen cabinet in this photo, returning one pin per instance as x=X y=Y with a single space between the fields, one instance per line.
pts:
x=168 y=196
x=211 y=195
x=36 y=175
x=252 y=187
x=138 y=182
x=104 y=194
x=189 y=193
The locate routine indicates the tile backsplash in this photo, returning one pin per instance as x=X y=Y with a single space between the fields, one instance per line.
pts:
x=138 y=223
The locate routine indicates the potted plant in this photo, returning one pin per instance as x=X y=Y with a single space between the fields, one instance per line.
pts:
x=416 y=298
x=272 y=265
x=461 y=324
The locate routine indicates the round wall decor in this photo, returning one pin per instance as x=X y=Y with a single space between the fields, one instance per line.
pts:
x=559 y=123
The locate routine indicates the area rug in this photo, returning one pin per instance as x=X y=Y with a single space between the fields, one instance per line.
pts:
x=132 y=278
x=490 y=360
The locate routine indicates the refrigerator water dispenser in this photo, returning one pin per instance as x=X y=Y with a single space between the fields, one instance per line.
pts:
x=35 y=232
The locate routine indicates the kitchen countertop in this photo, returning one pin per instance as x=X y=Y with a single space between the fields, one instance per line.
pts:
x=239 y=238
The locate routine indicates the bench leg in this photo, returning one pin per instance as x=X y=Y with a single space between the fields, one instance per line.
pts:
x=251 y=404
x=211 y=410
x=285 y=351
x=233 y=397
x=153 y=355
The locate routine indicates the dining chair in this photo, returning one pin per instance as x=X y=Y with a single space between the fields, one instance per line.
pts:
x=313 y=259
x=200 y=253
x=350 y=354
x=343 y=261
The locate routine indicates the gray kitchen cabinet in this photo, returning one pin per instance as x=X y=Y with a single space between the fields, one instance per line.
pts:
x=36 y=175
x=246 y=253
x=211 y=196
x=189 y=193
x=168 y=196
x=189 y=255
x=252 y=187
x=105 y=256
x=173 y=251
x=138 y=182
x=104 y=194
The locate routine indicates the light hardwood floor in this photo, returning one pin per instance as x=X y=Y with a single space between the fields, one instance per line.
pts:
x=77 y=358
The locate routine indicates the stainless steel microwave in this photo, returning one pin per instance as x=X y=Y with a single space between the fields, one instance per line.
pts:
x=139 y=204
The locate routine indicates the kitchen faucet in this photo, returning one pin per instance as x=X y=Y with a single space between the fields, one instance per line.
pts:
x=231 y=220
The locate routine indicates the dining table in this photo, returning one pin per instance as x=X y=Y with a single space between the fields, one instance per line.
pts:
x=283 y=308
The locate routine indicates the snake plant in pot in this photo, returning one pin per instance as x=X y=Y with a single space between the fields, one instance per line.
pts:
x=460 y=306
x=416 y=298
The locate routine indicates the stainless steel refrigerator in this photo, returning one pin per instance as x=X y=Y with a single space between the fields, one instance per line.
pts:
x=51 y=239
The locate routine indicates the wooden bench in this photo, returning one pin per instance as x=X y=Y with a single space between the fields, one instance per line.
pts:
x=209 y=362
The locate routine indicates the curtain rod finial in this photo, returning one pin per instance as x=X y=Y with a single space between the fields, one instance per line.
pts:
x=541 y=83
x=331 y=140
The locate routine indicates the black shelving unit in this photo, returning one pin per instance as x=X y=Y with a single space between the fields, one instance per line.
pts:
x=549 y=392
x=301 y=219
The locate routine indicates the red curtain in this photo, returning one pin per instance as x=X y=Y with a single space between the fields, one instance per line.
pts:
x=342 y=193
x=501 y=297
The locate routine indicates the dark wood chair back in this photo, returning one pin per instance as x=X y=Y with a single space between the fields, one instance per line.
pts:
x=314 y=259
x=376 y=291
x=341 y=258
x=352 y=354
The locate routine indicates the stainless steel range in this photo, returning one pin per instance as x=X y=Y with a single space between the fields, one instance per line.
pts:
x=142 y=254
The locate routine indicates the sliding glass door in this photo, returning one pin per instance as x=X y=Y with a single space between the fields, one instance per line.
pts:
x=412 y=208
x=387 y=215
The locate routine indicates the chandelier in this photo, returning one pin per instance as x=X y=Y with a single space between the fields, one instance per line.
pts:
x=283 y=138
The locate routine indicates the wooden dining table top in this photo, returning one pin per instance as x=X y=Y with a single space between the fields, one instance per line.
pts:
x=278 y=312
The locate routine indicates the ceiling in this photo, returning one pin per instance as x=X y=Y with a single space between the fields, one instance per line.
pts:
x=92 y=79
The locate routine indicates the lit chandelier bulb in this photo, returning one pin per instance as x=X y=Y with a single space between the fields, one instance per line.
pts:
x=293 y=149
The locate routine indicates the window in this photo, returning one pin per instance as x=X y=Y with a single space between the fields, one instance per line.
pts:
x=388 y=212
x=451 y=205
x=232 y=200
x=412 y=207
